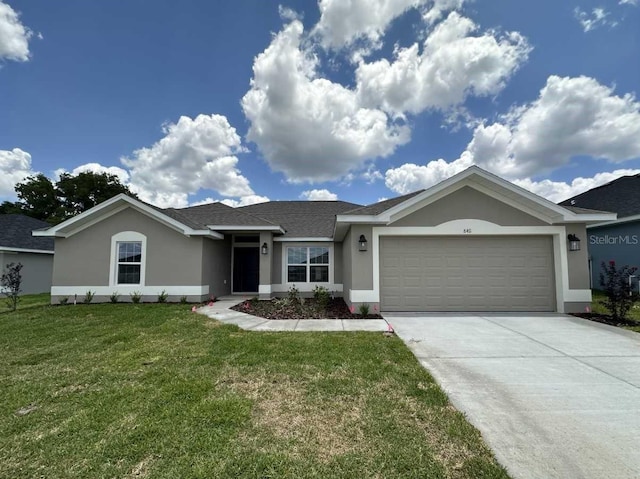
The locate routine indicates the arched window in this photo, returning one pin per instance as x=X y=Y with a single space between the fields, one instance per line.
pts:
x=128 y=259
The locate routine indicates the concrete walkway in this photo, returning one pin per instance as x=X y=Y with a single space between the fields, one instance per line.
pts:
x=221 y=311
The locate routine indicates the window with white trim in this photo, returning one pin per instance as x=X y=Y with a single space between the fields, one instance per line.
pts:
x=129 y=262
x=307 y=264
x=128 y=258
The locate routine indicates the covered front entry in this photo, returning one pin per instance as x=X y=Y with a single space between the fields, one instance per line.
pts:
x=246 y=269
x=460 y=273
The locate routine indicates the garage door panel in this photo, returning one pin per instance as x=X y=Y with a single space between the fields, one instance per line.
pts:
x=467 y=274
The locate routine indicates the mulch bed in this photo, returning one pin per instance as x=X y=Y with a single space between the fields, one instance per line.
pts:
x=605 y=319
x=284 y=309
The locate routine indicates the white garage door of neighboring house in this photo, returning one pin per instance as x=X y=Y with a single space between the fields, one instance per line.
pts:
x=497 y=273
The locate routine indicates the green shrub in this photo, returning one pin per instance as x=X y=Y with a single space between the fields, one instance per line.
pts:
x=64 y=300
x=363 y=309
x=88 y=297
x=322 y=296
x=162 y=297
x=617 y=289
x=294 y=295
x=183 y=300
x=114 y=297
x=136 y=296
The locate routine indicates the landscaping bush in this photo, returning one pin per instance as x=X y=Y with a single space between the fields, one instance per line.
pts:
x=136 y=296
x=162 y=297
x=619 y=296
x=88 y=297
x=114 y=297
x=321 y=296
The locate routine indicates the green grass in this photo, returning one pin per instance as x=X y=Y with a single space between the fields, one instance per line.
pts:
x=157 y=391
x=596 y=307
x=26 y=301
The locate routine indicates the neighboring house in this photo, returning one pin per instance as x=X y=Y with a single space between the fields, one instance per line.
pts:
x=617 y=240
x=18 y=245
x=474 y=242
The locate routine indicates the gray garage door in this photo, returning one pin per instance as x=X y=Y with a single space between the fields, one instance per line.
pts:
x=467 y=274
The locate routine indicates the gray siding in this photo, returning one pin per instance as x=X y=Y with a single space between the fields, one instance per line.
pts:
x=216 y=266
x=276 y=265
x=468 y=203
x=346 y=265
x=361 y=261
x=36 y=271
x=619 y=243
x=578 y=261
x=172 y=258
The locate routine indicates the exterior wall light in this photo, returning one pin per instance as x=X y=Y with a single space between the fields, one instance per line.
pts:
x=265 y=248
x=574 y=243
x=362 y=243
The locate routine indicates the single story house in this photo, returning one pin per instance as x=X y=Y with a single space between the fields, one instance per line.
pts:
x=474 y=242
x=18 y=245
x=616 y=240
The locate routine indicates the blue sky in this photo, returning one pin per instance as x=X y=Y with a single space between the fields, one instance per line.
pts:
x=350 y=99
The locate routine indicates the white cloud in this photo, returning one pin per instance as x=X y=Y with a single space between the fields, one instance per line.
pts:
x=318 y=195
x=310 y=128
x=120 y=173
x=194 y=154
x=451 y=66
x=14 y=36
x=344 y=21
x=15 y=166
x=597 y=18
x=628 y=2
x=557 y=191
x=245 y=200
x=411 y=177
x=433 y=14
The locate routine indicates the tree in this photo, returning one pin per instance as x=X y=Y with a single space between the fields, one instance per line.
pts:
x=69 y=196
x=11 y=281
x=37 y=197
x=617 y=289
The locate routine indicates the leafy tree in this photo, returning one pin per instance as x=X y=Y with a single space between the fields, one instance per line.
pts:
x=37 y=197
x=619 y=294
x=11 y=281
x=69 y=196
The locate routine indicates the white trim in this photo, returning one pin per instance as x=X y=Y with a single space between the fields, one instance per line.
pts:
x=264 y=289
x=309 y=239
x=126 y=290
x=558 y=214
x=331 y=264
x=126 y=236
x=25 y=250
x=58 y=230
x=246 y=228
x=626 y=219
x=477 y=228
x=306 y=287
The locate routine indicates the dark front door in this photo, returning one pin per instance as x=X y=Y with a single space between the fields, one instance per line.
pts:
x=246 y=268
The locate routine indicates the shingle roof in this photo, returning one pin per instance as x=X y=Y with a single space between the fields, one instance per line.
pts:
x=216 y=214
x=301 y=219
x=583 y=211
x=619 y=196
x=381 y=206
x=15 y=232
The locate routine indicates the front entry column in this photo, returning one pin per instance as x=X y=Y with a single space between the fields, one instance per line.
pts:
x=264 y=288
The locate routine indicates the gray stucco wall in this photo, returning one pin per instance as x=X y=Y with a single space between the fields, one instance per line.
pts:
x=619 y=243
x=276 y=265
x=578 y=261
x=172 y=259
x=361 y=261
x=468 y=203
x=346 y=265
x=216 y=266
x=36 y=270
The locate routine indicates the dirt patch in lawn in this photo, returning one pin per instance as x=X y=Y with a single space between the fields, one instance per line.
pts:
x=284 y=308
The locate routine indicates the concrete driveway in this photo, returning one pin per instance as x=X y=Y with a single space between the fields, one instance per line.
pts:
x=554 y=396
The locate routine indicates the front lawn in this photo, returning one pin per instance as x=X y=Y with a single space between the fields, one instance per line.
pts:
x=157 y=391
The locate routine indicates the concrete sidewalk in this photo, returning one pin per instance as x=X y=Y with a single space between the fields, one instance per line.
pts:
x=221 y=311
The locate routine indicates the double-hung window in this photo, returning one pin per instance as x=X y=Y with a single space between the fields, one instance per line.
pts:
x=307 y=264
x=129 y=262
